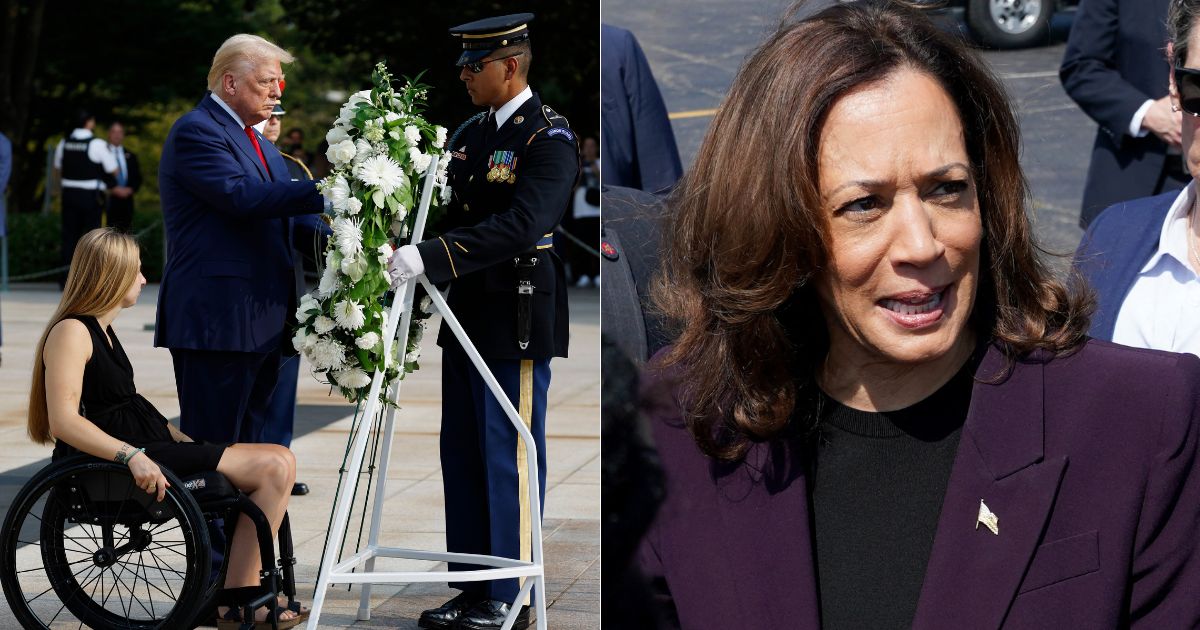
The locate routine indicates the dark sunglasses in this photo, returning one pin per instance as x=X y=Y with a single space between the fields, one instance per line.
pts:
x=477 y=67
x=1187 y=82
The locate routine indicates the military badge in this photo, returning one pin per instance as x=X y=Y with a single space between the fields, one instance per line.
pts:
x=518 y=120
x=502 y=167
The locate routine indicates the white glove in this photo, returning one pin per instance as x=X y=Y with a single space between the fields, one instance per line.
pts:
x=404 y=265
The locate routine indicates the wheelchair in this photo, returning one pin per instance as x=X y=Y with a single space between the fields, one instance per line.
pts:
x=83 y=546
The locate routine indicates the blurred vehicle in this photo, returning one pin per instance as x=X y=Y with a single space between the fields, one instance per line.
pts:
x=1005 y=23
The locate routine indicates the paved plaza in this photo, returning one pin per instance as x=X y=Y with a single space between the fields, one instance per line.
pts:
x=413 y=516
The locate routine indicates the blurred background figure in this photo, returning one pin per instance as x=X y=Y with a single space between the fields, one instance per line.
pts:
x=129 y=180
x=585 y=217
x=639 y=146
x=1113 y=68
x=85 y=169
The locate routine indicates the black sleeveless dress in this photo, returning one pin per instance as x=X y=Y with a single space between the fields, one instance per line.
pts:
x=110 y=400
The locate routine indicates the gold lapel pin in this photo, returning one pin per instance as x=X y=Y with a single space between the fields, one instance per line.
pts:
x=988 y=518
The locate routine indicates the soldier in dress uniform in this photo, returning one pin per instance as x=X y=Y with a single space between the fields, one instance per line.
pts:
x=512 y=171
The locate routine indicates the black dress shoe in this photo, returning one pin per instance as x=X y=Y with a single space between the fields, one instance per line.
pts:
x=446 y=615
x=490 y=615
x=299 y=489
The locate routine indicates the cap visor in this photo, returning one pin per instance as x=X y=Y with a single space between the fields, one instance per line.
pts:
x=471 y=56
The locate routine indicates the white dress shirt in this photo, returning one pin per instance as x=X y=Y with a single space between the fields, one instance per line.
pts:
x=508 y=108
x=229 y=110
x=1162 y=309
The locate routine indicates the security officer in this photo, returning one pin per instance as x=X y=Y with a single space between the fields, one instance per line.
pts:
x=87 y=169
x=512 y=171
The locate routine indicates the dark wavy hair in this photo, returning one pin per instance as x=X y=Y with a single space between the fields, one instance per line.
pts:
x=744 y=237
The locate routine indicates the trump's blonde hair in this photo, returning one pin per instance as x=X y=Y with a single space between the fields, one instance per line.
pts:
x=105 y=265
x=241 y=54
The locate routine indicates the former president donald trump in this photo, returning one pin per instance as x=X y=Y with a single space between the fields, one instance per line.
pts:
x=228 y=286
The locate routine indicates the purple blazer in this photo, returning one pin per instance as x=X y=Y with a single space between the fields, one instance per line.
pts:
x=1088 y=461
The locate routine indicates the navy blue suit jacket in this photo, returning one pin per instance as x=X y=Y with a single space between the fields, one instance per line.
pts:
x=1115 y=61
x=1114 y=250
x=228 y=283
x=638 y=148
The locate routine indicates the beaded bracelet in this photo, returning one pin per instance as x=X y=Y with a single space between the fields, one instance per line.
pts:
x=122 y=458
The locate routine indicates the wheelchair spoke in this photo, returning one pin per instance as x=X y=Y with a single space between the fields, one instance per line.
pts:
x=164 y=576
x=65 y=564
x=146 y=579
x=157 y=545
x=132 y=592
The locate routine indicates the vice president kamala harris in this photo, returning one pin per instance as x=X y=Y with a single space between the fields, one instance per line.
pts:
x=881 y=410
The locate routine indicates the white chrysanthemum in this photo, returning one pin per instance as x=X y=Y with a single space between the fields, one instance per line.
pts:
x=353 y=205
x=323 y=324
x=374 y=134
x=352 y=378
x=367 y=341
x=385 y=253
x=382 y=172
x=342 y=153
x=336 y=134
x=328 y=282
x=307 y=303
x=298 y=340
x=327 y=354
x=349 y=314
x=337 y=192
x=426 y=303
x=420 y=160
x=440 y=141
x=347 y=236
x=412 y=134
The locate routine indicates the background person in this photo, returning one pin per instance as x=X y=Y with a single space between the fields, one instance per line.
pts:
x=585 y=216
x=868 y=415
x=85 y=169
x=1113 y=70
x=80 y=368
x=129 y=180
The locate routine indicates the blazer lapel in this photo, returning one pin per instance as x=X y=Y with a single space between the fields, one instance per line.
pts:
x=973 y=574
x=236 y=136
x=764 y=511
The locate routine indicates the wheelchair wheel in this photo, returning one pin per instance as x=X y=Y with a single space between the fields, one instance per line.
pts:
x=84 y=546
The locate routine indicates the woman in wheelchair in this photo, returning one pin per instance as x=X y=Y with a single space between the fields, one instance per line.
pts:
x=83 y=397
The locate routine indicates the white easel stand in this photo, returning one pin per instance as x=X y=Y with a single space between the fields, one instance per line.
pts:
x=344 y=571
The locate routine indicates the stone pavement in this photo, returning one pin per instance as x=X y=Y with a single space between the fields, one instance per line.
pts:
x=413 y=516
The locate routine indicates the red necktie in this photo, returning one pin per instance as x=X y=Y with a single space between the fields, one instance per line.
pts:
x=254 y=141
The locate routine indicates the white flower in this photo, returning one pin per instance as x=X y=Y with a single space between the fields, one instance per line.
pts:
x=347 y=236
x=349 y=314
x=363 y=151
x=327 y=354
x=367 y=341
x=382 y=172
x=298 y=340
x=412 y=356
x=420 y=160
x=426 y=303
x=385 y=254
x=412 y=134
x=440 y=141
x=353 y=205
x=352 y=378
x=361 y=96
x=336 y=134
x=322 y=325
x=374 y=134
x=307 y=303
x=328 y=282
x=394 y=134
x=337 y=192
x=390 y=116
x=341 y=153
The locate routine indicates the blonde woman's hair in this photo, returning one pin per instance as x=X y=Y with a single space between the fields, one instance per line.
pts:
x=105 y=265
x=241 y=54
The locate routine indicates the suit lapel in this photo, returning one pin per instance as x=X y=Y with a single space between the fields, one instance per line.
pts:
x=973 y=574
x=236 y=136
x=764 y=514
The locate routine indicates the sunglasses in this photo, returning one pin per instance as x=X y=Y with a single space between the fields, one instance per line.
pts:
x=1187 y=82
x=478 y=66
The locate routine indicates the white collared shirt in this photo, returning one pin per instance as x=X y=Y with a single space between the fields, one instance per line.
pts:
x=118 y=152
x=1162 y=309
x=229 y=110
x=508 y=108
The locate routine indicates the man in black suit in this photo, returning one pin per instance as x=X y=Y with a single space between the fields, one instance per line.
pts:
x=129 y=179
x=1115 y=68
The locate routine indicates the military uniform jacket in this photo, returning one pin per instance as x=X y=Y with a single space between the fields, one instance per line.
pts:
x=510 y=187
